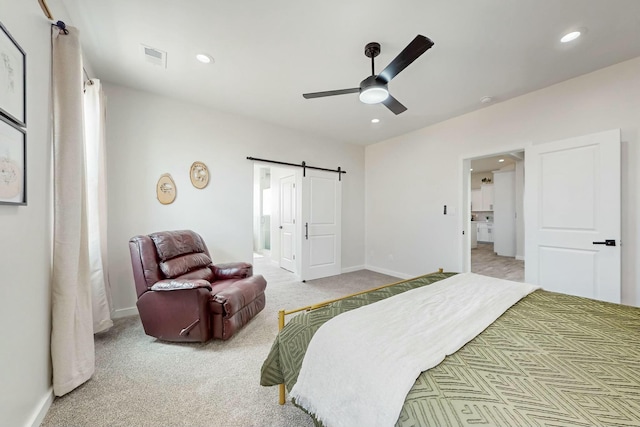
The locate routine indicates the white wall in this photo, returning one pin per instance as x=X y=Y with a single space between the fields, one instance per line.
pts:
x=409 y=178
x=25 y=238
x=148 y=135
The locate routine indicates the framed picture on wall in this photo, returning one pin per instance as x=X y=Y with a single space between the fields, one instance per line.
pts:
x=13 y=163
x=12 y=79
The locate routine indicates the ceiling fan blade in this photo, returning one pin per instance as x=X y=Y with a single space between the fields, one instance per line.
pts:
x=417 y=47
x=394 y=105
x=330 y=93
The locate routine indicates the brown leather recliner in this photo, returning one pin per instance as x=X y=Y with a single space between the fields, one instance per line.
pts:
x=183 y=296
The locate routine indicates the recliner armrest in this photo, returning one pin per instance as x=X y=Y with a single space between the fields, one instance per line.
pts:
x=232 y=270
x=233 y=298
x=178 y=284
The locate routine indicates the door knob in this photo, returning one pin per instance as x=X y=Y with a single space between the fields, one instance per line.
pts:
x=280 y=227
x=606 y=243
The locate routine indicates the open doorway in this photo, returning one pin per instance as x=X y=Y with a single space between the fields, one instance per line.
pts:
x=261 y=212
x=496 y=229
x=275 y=208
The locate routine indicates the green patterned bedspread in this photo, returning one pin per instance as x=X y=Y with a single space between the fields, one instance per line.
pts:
x=550 y=360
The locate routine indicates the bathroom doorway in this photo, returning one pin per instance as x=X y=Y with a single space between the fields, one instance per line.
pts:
x=496 y=228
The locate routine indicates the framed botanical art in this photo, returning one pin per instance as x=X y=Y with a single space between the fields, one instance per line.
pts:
x=13 y=163
x=12 y=79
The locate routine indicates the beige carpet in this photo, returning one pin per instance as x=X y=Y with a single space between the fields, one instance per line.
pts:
x=140 y=381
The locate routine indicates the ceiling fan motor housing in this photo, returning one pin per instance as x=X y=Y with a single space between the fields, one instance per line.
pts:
x=371 y=50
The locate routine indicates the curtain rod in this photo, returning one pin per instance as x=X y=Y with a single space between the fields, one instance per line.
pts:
x=303 y=165
x=47 y=13
x=62 y=26
x=45 y=9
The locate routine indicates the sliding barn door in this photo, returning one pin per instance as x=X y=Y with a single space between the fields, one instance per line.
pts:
x=321 y=224
x=572 y=216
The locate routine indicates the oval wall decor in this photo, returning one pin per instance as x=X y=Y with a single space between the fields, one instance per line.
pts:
x=166 y=189
x=199 y=174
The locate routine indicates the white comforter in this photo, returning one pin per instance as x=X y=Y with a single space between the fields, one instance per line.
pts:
x=360 y=365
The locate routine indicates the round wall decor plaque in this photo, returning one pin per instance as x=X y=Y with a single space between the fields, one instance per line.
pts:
x=166 y=189
x=199 y=174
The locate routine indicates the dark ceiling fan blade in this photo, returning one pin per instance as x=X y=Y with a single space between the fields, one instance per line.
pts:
x=330 y=93
x=417 y=47
x=394 y=105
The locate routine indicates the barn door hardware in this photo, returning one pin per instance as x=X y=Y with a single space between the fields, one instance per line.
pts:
x=302 y=165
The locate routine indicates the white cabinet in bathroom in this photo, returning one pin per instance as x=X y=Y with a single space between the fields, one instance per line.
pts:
x=476 y=200
x=487 y=197
x=482 y=198
x=485 y=232
x=504 y=214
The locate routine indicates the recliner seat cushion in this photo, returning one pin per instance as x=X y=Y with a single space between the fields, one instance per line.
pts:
x=182 y=264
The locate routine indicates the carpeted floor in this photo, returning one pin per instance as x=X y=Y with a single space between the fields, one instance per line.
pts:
x=140 y=381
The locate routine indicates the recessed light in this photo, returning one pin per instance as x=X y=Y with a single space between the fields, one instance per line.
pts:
x=204 y=58
x=375 y=120
x=486 y=99
x=501 y=160
x=570 y=36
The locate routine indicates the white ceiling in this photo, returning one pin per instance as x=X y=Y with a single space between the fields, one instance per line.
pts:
x=268 y=53
x=489 y=164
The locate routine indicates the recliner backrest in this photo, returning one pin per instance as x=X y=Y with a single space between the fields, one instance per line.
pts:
x=168 y=255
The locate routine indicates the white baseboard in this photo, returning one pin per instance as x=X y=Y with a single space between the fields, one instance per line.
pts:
x=352 y=269
x=41 y=409
x=389 y=272
x=520 y=257
x=124 y=312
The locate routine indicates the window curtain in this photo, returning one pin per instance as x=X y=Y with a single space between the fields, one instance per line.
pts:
x=94 y=118
x=79 y=283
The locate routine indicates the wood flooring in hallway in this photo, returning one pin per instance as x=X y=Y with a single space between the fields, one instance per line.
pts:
x=485 y=261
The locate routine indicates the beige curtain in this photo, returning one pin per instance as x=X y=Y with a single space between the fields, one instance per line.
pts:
x=94 y=118
x=72 y=349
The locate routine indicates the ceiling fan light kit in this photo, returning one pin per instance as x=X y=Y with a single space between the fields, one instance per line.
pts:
x=373 y=89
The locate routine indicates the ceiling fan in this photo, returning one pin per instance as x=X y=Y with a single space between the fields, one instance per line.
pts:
x=373 y=89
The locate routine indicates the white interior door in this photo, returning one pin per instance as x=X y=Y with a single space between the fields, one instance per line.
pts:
x=288 y=223
x=572 y=203
x=321 y=225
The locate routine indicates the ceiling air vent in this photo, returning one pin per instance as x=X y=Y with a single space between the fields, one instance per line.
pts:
x=154 y=56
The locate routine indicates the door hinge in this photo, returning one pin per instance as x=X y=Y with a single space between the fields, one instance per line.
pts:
x=294 y=220
x=294 y=257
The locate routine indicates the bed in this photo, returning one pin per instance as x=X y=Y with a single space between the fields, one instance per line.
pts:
x=550 y=359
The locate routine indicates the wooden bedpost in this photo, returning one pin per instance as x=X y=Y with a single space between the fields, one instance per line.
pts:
x=280 y=327
x=440 y=270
